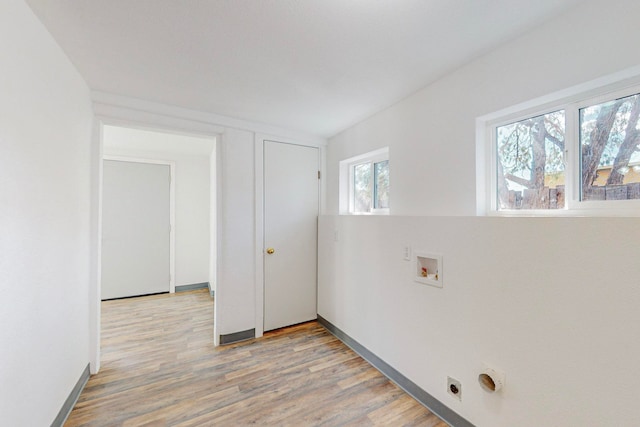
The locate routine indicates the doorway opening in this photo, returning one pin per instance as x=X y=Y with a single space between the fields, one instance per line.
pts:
x=190 y=262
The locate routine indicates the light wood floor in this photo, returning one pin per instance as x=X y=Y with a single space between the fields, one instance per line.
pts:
x=160 y=368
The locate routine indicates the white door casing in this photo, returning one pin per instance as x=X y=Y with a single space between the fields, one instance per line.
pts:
x=136 y=229
x=291 y=205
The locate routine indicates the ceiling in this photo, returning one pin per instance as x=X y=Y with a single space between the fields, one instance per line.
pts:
x=317 y=66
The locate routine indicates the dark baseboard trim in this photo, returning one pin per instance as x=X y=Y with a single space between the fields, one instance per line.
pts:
x=68 y=405
x=135 y=296
x=433 y=404
x=211 y=291
x=191 y=287
x=238 y=336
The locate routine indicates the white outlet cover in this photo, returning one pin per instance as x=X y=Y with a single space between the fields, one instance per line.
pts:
x=406 y=253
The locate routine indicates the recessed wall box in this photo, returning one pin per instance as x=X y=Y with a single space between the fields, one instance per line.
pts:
x=427 y=269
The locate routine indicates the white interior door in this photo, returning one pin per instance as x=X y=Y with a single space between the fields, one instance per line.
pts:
x=291 y=231
x=135 y=229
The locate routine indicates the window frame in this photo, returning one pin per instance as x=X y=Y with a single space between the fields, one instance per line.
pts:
x=347 y=181
x=571 y=101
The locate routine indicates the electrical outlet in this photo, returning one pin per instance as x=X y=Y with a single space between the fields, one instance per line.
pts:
x=406 y=253
x=454 y=388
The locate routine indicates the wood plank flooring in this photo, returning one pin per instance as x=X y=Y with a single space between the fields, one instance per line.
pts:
x=160 y=368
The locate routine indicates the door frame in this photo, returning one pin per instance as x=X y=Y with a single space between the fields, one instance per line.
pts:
x=107 y=114
x=259 y=215
x=172 y=209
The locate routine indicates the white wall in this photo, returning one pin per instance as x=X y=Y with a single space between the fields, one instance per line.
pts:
x=192 y=182
x=559 y=323
x=236 y=290
x=553 y=302
x=45 y=142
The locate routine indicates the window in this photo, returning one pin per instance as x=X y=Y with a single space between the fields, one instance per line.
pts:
x=370 y=187
x=580 y=152
x=530 y=159
x=365 y=183
x=381 y=185
x=610 y=155
x=361 y=187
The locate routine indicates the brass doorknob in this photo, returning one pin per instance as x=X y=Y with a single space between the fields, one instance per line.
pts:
x=270 y=250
